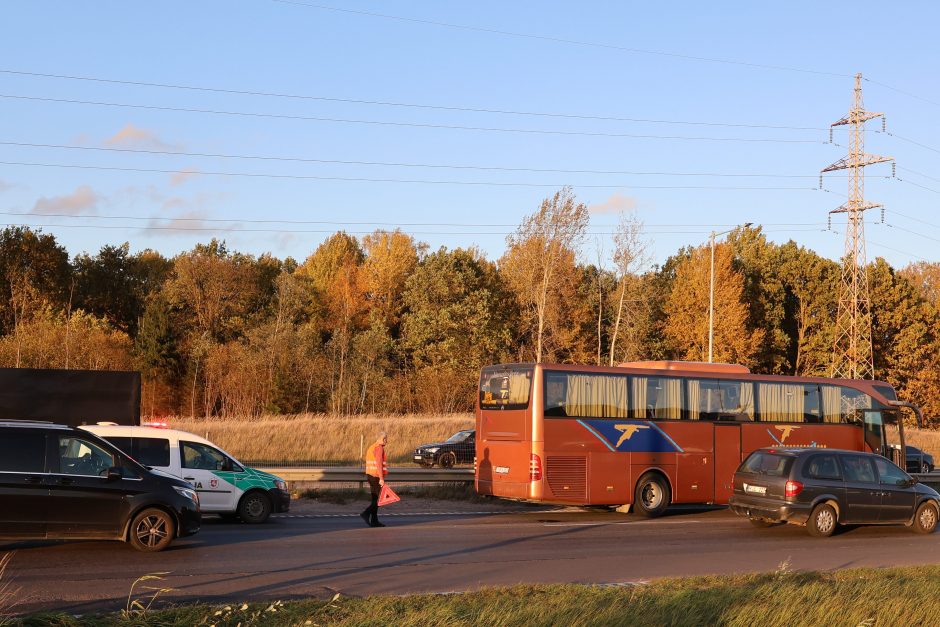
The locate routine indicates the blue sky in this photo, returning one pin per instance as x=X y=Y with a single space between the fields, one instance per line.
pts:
x=269 y=46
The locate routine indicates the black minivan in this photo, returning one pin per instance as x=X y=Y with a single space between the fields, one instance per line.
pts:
x=58 y=482
x=823 y=488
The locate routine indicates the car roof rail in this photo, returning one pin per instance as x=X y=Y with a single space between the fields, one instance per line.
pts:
x=19 y=422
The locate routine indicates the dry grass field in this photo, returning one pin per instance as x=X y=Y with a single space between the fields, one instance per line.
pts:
x=324 y=438
x=924 y=439
x=338 y=438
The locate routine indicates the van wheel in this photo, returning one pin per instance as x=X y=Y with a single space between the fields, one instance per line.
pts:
x=925 y=520
x=152 y=530
x=822 y=522
x=447 y=460
x=652 y=495
x=760 y=523
x=255 y=507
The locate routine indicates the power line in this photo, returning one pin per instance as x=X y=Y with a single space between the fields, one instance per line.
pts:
x=926 y=176
x=900 y=228
x=905 y=93
x=573 y=42
x=387 y=103
x=398 y=164
x=924 y=187
x=386 y=180
x=234 y=229
x=282 y=116
x=924 y=222
x=914 y=142
x=364 y=223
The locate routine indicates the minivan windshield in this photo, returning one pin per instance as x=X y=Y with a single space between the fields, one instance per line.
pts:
x=764 y=463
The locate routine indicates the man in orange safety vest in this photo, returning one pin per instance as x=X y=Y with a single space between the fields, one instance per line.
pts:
x=376 y=470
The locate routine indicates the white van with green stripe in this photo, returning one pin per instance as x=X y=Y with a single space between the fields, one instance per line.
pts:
x=225 y=486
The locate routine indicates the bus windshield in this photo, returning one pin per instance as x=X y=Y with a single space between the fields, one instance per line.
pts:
x=505 y=387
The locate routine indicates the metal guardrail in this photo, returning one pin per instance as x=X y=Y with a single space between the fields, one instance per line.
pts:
x=356 y=474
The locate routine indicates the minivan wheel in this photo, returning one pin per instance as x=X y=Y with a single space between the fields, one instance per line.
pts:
x=760 y=523
x=447 y=460
x=925 y=520
x=255 y=507
x=822 y=522
x=152 y=530
x=652 y=495
x=925 y=468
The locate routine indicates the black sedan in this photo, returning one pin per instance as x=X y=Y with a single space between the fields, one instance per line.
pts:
x=457 y=449
x=918 y=460
x=824 y=488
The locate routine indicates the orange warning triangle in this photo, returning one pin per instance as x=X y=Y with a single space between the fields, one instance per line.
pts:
x=386 y=496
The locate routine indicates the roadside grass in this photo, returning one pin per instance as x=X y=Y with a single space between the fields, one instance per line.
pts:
x=325 y=439
x=871 y=597
x=443 y=491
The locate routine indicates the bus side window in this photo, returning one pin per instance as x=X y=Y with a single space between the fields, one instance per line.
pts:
x=812 y=409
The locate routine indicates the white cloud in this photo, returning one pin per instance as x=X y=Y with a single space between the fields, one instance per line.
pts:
x=83 y=201
x=183 y=175
x=138 y=138
x=615 y=204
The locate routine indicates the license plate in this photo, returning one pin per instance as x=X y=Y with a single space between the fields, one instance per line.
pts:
x=755 y=489
x=418 y=457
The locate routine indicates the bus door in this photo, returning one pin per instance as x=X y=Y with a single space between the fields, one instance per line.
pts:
x=727 y=459
x=875 y=432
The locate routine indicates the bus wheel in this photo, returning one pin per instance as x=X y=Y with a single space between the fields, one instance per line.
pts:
x=652 y=495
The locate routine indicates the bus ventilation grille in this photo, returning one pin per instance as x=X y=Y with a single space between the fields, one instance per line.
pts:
x=567 y=477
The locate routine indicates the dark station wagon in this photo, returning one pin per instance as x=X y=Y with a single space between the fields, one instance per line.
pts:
x=823 y=488
x=457 y=449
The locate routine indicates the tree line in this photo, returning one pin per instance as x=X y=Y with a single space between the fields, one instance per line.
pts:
x=383 y=324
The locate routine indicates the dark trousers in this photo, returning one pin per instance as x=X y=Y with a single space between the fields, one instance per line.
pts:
x=373 y=510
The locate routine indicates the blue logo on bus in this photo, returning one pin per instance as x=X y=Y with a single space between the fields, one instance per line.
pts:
x=631 y=436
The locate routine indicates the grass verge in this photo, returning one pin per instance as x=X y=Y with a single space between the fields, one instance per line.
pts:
x=896 y=596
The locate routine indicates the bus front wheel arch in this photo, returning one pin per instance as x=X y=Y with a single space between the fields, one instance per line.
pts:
x=652 y=494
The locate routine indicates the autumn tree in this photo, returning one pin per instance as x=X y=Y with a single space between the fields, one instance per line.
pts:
x=335 y=274
x=540 y=268
x=630 y=254
x=34 y=275
x=457 y=319
x=391 y=257
x=686 y=324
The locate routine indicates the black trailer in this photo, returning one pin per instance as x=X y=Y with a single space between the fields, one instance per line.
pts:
x=71 y=397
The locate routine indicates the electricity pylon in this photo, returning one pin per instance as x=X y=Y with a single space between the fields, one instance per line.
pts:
x=852 y=350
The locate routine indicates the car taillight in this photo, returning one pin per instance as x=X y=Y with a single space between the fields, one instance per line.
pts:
x=535 y=467
x=793 y=488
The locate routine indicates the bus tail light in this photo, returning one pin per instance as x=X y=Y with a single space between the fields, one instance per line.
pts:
x=793 y=488
x=535 y=467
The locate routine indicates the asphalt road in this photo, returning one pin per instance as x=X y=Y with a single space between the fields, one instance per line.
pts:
x=293 y=557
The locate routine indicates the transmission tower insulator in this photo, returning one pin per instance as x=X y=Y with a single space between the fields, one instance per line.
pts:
x=820 y=181
x=894 y=170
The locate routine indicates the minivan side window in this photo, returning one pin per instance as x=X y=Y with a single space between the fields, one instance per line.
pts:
x=23 y=452
x=823 y=467
x=202 y=457
x=890 y=474
x=82 y=457
x=152 y=451
x=858 y=469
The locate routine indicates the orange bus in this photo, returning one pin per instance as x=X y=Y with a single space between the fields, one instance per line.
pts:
x=648 y=434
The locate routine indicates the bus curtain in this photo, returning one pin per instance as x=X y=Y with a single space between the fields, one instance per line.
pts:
x=596 y=396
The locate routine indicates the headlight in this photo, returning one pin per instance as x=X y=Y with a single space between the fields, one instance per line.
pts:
x=433 y=449
x=189 y=493
x=281 y=485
